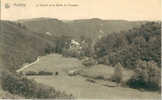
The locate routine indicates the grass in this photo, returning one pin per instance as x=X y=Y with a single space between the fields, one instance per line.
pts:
x=55 y=63
x=103 y=72
x=79 y=86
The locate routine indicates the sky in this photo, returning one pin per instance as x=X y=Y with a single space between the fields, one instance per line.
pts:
x=83 y=9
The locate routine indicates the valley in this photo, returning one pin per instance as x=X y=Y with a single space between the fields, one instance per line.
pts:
x=90 y=58
x=78 y=85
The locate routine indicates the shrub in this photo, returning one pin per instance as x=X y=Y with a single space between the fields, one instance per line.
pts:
x=39 y=73
x=31 y=73
x=71 y=53
x=118 y=73
x=103 y=60
x=45 y=73
x=89 y=62
x=100 y=77
x=147 y=76
x=15 y=84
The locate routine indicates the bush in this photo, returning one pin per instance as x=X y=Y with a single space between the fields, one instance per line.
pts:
x=104 y=60
x=39 y=73
x=118 y=73
x=100 y=77
x=89 y=62
x=45 y=73
x=31 y=73
x=147 y=76
x=71 y=53
x=15 y=84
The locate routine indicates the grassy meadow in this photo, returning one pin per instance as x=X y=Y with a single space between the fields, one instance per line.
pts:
x=78 y=85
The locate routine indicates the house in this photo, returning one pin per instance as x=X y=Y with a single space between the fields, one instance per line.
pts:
x=75 y=44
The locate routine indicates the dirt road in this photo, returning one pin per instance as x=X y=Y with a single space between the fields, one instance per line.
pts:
x=28 y=65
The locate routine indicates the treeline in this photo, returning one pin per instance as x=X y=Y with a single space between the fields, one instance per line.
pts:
x=138 y=49
x=142 y=43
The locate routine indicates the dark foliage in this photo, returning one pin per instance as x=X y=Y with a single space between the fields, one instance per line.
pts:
x=15 y=84
x=31 y=73
x=45 y=73
x=62 y=42
x=127 y=47
x=147 y=75
x=38 y=73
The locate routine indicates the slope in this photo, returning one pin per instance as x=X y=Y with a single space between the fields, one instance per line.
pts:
x=19 y=45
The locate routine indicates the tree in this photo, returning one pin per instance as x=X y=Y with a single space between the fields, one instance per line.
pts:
x=61 y=43
x=118 y=73
x=147 y=75
x=127 y=47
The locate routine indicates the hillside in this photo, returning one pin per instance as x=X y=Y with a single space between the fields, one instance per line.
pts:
x=43 y=25
x=20 y=41
x=97 y=27
x=19 y=45
x=91 y=28
x=127 y=47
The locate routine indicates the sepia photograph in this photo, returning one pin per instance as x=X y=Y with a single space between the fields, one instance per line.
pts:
x=80 y=49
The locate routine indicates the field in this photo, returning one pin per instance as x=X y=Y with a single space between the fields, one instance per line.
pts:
x=104 y=72
x=84 y=85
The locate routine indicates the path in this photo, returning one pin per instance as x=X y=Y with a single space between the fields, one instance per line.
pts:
x=28 y=65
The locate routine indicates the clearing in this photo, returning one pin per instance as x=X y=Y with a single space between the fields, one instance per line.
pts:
x=83 y=86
